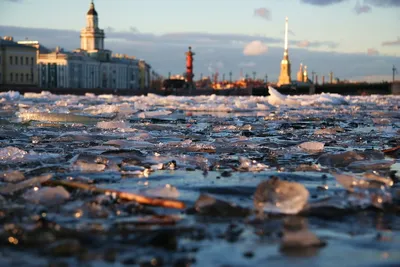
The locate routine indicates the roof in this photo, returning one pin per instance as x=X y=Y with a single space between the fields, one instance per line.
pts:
x=7 y=43
x=92 y=10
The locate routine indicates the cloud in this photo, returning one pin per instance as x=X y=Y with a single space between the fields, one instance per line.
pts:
x=13 y=1
x=248 y=64
x=315 y=44
x=322 y=2
x=303 y=43
x=384 y=3
x=255 y=48
x=392 y=43
x=361 y=8
x=372 y=52
x=263 y=13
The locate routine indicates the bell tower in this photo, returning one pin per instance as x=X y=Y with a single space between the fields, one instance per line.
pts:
x=92 y=37
x=284 y=77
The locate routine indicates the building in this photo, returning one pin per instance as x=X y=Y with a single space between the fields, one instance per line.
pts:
x=90 y=66
x=284 y=76
x=17 y=64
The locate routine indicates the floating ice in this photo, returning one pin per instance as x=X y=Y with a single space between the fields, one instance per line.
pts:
x=167 y=191
x=12 y=153
x=49 y=196
x=112 y=125
x=9 y=96
x=277 y=99
x=12 y=176
x=55 y=117
x=277 y=196
x=371 y=165
x=312 y=146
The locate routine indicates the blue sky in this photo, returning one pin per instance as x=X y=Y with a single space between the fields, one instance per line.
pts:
x=320 y=28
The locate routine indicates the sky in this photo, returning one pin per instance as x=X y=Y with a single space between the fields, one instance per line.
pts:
x=355 y=39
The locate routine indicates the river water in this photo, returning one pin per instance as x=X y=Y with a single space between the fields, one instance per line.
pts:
x=280 y=180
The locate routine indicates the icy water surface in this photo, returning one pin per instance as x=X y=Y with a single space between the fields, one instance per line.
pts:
x=199 y=181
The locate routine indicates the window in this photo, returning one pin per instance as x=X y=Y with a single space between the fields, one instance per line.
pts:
x=11 y=61
x=0 y=59
x=32 y=77
x=31 y=60
x=27 y=77
x=22 y=60
x=16 y=61
x=16 y=77
x=26 y=60
x=22 y=77
x=11 y=77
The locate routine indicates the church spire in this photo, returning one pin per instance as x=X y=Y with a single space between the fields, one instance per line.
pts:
x=284 y=77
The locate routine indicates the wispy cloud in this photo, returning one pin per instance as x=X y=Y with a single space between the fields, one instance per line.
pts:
x=263 y=13
x=372 y=52
x=310 y=44
x=303 y=43
x=12 y=1
x=322 y=2
x=255 y=48
x=361 y=8
x=391 y=43
x=248 y=64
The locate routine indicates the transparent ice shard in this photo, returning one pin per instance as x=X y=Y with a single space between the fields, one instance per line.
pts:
x=278 y=196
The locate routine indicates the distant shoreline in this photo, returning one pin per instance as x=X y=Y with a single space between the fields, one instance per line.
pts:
x=343 y=89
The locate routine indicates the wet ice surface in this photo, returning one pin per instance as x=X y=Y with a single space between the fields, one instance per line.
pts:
x=310 y=180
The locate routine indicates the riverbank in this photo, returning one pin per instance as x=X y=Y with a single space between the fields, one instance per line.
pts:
x=342 y=89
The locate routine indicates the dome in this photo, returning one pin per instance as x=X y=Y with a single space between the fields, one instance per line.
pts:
x=92 y=11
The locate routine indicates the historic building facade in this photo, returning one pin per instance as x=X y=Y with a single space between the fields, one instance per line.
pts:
x=90 y=66
x=17 y=64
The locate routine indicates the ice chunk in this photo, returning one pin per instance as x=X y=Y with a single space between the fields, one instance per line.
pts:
x=328 y=131
x=10 y=96
x=312 y=146
x=13 y=188
x=277 y=99
x=277 y=196
x=85 y=166
x=55 y=117
x=12 y=176
x=112 y=125
x=47 y=195
x=208 y=205
x=151 y=114
x=11 y=153
x=371 y=165
x=345 y=158
x=251 y=165
x=168 y=191
x=351 y=182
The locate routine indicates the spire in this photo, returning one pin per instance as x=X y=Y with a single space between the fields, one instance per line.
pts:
x=286 y=33
x=284 y=77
